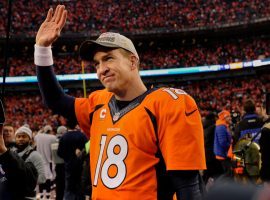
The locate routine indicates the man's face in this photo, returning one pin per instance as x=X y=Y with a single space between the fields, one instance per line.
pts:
x=9 y=134
x=22 y=140
x=114 y=70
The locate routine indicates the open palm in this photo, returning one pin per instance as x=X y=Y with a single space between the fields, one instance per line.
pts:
x=51 y=28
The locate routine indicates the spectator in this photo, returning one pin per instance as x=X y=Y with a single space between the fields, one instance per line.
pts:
x=23 y=136
x=59 y=165
x=43 y=142
x=73 y=140
x=9 y=136
x=214 y=168
x=223 y=142
x=250 y=124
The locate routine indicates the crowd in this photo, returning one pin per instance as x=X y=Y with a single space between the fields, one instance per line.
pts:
x=134 y=16
x=211 y=95
x=60 y=146
x=154 y=56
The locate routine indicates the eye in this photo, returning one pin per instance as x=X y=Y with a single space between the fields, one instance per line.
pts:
x=96 y=65
x=108 y=58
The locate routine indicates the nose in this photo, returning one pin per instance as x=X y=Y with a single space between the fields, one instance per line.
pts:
x=103 y=69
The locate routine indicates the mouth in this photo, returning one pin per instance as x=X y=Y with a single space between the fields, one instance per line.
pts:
x=107 y=78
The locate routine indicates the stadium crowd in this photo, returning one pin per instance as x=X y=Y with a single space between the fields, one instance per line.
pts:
x=157 y=56
x=134 y=16
x=211 y=96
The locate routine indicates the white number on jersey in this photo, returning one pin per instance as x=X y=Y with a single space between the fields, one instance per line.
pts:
x=114 y=159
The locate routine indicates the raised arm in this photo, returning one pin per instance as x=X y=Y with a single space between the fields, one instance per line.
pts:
x=51 y=91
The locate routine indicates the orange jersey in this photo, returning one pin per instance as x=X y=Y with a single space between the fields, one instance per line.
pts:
x=124 y=142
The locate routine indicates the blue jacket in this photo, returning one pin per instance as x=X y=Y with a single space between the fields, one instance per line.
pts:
x=250 y=124
x=222 y=141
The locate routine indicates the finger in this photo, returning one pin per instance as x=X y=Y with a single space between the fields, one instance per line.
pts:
x=49 y=15
x=55 y=13
x=63 y=19
x=59 y=14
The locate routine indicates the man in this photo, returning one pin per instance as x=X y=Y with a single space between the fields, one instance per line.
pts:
x=18 y=178
x=59 y=165
x=250 y=124
x=9 y=136
x=214 y=168
x=128 y=124
x=23 y=138
x=71 y=141
x=43 y=141
x=223 y=142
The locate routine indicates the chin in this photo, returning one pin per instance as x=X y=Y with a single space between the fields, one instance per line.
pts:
x=109 y=89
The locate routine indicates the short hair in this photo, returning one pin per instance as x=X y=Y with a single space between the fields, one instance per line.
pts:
x=127 y=53
x=249 y=106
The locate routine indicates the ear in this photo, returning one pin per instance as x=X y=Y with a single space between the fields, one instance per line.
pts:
x=134 y=62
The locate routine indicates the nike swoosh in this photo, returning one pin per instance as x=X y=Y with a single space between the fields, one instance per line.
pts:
x=190 y=113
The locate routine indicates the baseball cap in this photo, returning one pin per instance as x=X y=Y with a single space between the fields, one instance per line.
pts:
x=223 y=114
x=24 y=129
x=61 y=130
x=47 y=128
x=108 y=39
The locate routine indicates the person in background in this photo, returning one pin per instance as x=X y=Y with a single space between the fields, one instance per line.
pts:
x=9 y=136
x=59 y=165
x=72 y=142
x=43 y=141
x=223 y=142
x=85 y=180
x=23 y=137
x=250 y=124
x=214 y=168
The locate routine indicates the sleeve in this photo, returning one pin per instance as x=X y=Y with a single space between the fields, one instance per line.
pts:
x=38 y=162
x=223 y=137
x=180 y=133
x=83 y=109
x=53 y=94
x=50 y=89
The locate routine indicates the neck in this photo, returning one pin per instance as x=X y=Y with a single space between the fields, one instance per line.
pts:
x=131 y=92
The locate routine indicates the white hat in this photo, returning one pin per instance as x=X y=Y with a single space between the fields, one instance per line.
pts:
x=61 y=130
x=24 y=129
x=47 y=128
x=108 y=39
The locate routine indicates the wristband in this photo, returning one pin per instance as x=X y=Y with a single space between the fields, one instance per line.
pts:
x=43 y=56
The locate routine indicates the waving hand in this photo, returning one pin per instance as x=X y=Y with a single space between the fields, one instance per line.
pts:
x=51 y=28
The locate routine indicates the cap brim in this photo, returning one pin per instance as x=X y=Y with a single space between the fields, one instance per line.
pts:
x=88 y=47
